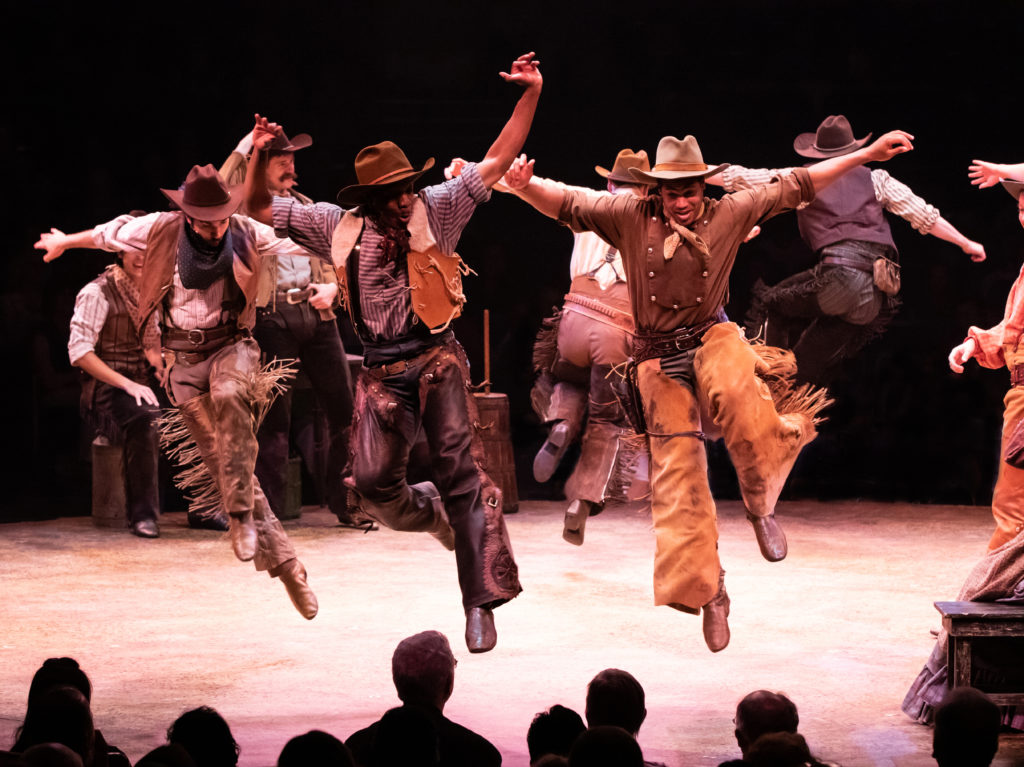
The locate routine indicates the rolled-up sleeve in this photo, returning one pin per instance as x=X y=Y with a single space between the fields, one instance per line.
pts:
x=310 y=226
x=90 y=313
x=761 y=202
x=451 y=204
x=898 y=198
x=599 y=212
x=124 y=233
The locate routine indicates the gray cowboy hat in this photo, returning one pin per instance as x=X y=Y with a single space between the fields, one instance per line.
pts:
x=833 y=138
x=676 y=160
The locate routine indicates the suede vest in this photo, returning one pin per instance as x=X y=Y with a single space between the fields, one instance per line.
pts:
x=162 y=253
x=118 y=342
x=435 y=278
x=846 y=209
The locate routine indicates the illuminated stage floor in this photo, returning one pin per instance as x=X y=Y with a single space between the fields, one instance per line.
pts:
x=842 y=626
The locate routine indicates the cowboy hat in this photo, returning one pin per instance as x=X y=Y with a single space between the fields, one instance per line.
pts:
x=625 y=160
x=1012 y=186
x=284 y=144
x=834 y=137
x=205 y=195
x=378 y=167
x=676 y=160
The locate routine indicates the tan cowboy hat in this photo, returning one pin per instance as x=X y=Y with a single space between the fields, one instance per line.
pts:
x=378 y=167
x=284 y=144
x=625 y=160
x=676 y=160
x=205 y=195
x=834 y=137
x=1012 y=186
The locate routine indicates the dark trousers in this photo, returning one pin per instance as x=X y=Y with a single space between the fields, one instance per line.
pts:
x=115 y=415
x=432 y=394
x=295 y=331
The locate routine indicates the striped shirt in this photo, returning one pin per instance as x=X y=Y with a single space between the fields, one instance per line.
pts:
x=895 y=196
x=185 y=308
x=384 y=288
x=91 y=309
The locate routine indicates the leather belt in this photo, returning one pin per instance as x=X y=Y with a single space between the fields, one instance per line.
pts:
x=1017 y=375
x=295 y=296
x=647 y=346
x=400 y=366
x=190 y=347
x=849 y=263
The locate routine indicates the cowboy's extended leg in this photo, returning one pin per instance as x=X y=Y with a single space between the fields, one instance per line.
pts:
x=1008 y=497
x=488 y=575
x=385 y=424
x=564 y=410
x=762 y=444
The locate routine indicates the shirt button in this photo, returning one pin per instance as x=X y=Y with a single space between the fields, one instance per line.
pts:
x=650 y=250
x=700 y=300
x=675 y=306
x=704 y=273
x=653 y=298
x=650 y=274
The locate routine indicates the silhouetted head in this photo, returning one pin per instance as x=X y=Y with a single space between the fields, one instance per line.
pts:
x=606 y=746
x=423 y=669
x=762 y=712
x=315 y=749
x=206 y=736
x=966 y=729
x=615 y=697
x=553 y=732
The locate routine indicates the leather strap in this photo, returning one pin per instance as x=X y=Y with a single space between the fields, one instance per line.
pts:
x=849 y=263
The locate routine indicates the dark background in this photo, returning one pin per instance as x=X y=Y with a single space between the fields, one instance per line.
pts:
x=105 y=106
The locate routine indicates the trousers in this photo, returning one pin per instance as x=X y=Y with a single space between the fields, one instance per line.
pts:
x=432 y=394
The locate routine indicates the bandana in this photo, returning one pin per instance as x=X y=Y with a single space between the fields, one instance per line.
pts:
x=129 y=292
x=394 y=242
x=199 y=263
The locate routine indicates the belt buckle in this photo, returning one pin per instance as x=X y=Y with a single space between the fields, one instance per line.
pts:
x=681 y=341
x=197 y=336
x=296 y=296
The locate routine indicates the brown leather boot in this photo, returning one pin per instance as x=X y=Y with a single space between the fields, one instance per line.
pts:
x=244 y=540
x=770 y=538
x=293 y=576
x=481 y=635
x=716 y=618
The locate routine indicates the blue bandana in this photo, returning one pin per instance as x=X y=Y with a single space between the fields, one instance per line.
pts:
x=199 y=264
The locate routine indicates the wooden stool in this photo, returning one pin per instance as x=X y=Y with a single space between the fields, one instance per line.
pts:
x=109 y=505
x=967 y=621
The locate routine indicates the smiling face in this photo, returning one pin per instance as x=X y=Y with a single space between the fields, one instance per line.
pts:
x=682 y=199
x=132 y=262
x=281 y=174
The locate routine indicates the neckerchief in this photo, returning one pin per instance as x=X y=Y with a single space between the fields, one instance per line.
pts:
x=682 y=233
x=199 y=264
x=394 y=240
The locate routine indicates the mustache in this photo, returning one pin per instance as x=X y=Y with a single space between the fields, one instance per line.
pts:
x=290 y=176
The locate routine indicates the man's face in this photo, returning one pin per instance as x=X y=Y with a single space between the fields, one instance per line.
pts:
x=131 y=262
x=281 y=174
x=682 y=200
x=1020 y=209
x=211 y=231
x=398 y=209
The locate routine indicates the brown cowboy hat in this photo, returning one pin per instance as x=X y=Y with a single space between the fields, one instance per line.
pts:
x=1012 y=186
x=378 y=167
x=205 y=195
x=676 y=160
x=625 y=160
x=284 y=144
x=834 y=137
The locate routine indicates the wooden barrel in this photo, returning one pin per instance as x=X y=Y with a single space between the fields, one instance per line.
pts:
x=494 y=433
x=109 y=507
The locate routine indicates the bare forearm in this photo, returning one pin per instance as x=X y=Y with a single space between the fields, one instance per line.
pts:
x=946 y=231
x=511 y=139
x=825 y=172
x=101 y=371
x=258 y=200
x=547 y=198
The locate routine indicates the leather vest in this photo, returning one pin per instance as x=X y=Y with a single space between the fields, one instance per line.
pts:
x=846 y=209
x=435 y=278
x=162 y=253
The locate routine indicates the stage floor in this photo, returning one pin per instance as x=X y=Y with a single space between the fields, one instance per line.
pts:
x=841 y=626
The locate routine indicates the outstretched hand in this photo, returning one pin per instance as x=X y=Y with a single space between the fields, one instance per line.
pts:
x=518 y=174
x=889 y=145
x=525 y=72
x=264 y=132
x=961 y=354
x=53 y=242
x=985 y=174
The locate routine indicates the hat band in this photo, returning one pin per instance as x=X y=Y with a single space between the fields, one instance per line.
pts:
x=680 y=166
x=206 y=203
x=832 y=148
x=382 y=179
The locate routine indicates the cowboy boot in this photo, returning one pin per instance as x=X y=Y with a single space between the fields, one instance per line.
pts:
x=762 y=444
x=576 y=520
x=293 y=576
x=716 y=618
x=481 y=635
x=566 y=410
x=198 y=416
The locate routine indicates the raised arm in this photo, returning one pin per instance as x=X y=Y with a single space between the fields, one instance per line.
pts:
x=519 y=180
x=258 y=200
x=946 y=231
x=883 y=148
x=510 y=141
x=55 y=242
x=985 y=174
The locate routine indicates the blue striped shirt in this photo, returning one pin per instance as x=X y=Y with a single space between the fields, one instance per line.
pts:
x=384 y=288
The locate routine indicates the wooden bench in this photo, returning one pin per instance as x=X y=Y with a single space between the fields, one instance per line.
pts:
x=967 y=621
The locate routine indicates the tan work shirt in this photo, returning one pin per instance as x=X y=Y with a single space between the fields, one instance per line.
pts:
x=685 y=287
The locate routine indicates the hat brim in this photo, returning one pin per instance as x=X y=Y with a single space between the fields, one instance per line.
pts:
x=1012 y=186
x=611 y=175
x=207 y=213
x=804 y=146
x=356 y=193
x=301 y=141
x=658 y=176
